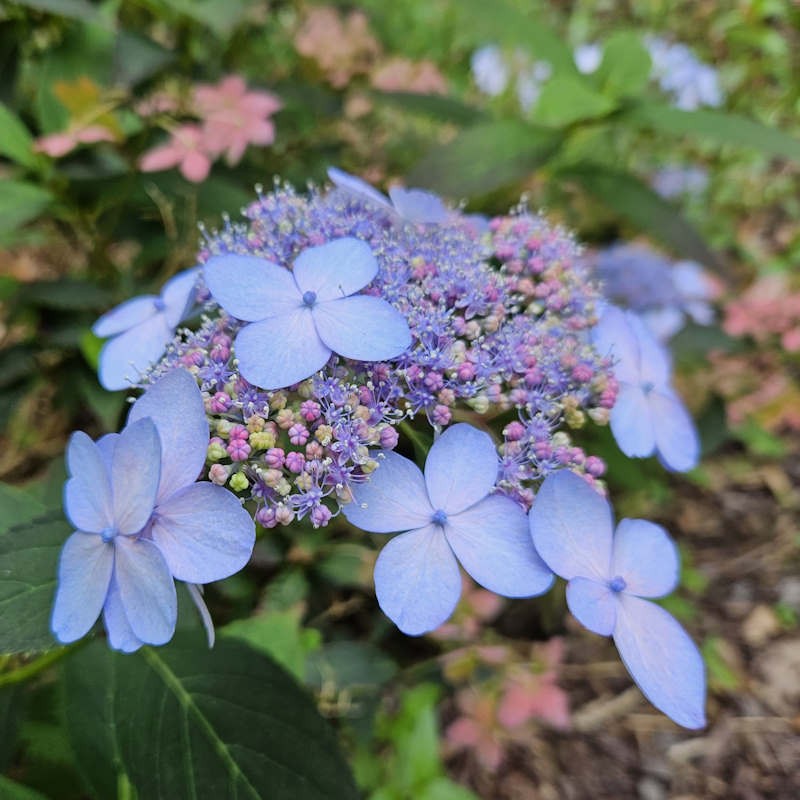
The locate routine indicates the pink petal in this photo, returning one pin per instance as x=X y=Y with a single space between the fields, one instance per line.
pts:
x=260 y=104
x=262 y=133
x=56 y=144
x=160 y=158
x=195 y=167
x=95 y=133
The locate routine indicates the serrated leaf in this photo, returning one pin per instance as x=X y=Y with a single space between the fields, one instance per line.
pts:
x=28 y=565
x=446 y=109
x=16 y=142
x=485 y=157
x=637 y=203
x=567 y=99
x=21 y=202
x=184 y=721
x=625 y=68
x=716 y=126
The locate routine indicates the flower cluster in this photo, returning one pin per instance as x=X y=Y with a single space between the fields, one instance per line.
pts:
x=331 y=324
x=232 y=117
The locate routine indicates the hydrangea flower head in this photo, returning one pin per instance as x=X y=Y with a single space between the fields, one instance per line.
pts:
x=609 y=576
x=412 y=205
x=301 y=317
x=141 y=521
x=140 y=330
x=450 y=515
x=648 y=416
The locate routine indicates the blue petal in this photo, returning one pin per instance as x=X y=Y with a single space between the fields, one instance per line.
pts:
x=655 y=366
x=493 y=544
x=356 y=186
x=392 y=499
x=126 y=357
x=135 y=473
x=676 y=437
x=417 y=580
x=593 y=604
x=361 y=327
x=204 y=533
x=614 y=337
x=106 y=444
x=572 y=527
x=662 y=660
x=416 y=205
x=336 y=269
x=277 y=353
x=632 y=422
x=125 y=316
x=250 y=288
x=87 y=494
x=84 y=573
x=178 y=295
x=461 y=468
x=146 y=589
x=120 y=634
x=646 y=558
x=175 y=405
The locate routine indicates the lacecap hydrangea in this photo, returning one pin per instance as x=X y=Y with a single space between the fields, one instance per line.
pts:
x=333 y=328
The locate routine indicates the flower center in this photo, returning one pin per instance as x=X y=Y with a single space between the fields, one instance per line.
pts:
x=617 y=584
x=159 y=304
x=439 y=517
x=309 y=299
x=108 y=534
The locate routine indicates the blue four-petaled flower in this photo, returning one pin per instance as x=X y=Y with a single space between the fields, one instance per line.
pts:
x=609 y=573
x=141 y=521
x=450 y=516
x=301 y=316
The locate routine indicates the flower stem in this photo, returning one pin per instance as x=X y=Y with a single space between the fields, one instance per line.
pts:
x=32 y=668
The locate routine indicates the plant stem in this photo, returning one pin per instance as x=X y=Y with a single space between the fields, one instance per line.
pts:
x=33 y=668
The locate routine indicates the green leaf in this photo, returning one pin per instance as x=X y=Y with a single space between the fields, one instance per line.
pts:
x=221 y=18
x=350 y=665
x=137 y=58
x=625 y=68
x=17 y=507
x=66 y=294
x=716 y=126
x=184 y=721
x=280 y=635
x=11 y=790
x=20 y=202
x=28 y=565
x=445 y=789
x=485 y=157
x=637 y=203
x=566 y=99
x=446 y=109
x=9 y=723
x=81 y=10
x=16 y=142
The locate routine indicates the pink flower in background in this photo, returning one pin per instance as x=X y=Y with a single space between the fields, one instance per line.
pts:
x=476 y=729
x=57 y=145
x=403 y=75
x=186 y=149
x=235 y=117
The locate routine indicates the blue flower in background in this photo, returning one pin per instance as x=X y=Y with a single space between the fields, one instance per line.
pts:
x=300 y=317
x=413 y=205
x=648 y=416
x=450 y=516
x=141 y=329
x=141 y=520
x=608 y=574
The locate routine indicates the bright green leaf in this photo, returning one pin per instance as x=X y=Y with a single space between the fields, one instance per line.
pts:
x=16 y=142
x=11 y=790
x=220 y=723
x=20 y=202
x=716 y=126
x=485 y=157
x=28 y=565
x=625 y=68
x=565 y=100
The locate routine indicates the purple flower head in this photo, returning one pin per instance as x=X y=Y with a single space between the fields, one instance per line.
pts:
x=412 y=205
x=141 y=520
x=648 y=416
x=141 y=329
x=450 y=516
x=608 y=574
x=301 y=317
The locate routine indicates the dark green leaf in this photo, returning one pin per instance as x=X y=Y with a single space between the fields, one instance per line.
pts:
x=16 y=362
x=637 y=203
x=221 y=723
x=28 y=565
x=16 y=142
x=485 y=157
x=20 y=202
x=567 y=99
x=9 y=722
x=446 y=109
x=17 y=507
x=625 y=68
x=67 y=294
x=75 y=9
x=137 y=58
x=716 y=126
x=221 y=18
x=349 y=665
x=11 y=790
